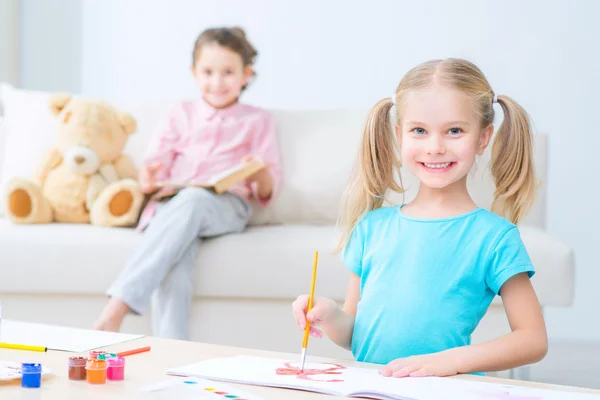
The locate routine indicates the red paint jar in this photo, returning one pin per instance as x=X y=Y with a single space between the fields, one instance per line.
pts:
x=77 y=368
x=116 y=369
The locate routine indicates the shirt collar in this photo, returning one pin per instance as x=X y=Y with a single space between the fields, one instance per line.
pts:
x=209 y=112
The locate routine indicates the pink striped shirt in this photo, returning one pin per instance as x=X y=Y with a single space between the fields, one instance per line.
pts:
x=197 y=141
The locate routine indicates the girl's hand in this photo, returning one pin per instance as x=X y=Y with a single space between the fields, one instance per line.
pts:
x=322 y=311
x=147 y=177
x=260 y=176
x=436 y=364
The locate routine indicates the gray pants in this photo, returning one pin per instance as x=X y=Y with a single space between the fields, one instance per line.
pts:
x=161 y=268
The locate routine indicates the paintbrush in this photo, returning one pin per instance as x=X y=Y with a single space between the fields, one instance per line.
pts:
x=308 y=308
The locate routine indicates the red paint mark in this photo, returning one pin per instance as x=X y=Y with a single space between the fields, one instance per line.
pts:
x=310 y=374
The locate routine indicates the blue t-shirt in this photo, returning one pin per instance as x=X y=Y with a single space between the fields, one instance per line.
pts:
x=426 y=283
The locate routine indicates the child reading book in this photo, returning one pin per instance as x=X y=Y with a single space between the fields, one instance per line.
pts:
x=198 y=140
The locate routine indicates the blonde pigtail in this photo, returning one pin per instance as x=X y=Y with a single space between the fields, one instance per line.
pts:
x=512 y=163
x=374 y=172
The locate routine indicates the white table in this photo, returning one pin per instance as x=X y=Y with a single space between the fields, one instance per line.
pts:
x=146 y=368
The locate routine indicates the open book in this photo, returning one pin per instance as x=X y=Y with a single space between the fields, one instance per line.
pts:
x=219 y=183
x=338 y=380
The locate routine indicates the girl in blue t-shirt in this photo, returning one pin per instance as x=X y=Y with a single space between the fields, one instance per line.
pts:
x=425 y=272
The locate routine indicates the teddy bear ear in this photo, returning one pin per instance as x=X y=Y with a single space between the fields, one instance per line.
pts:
x=128 y=122
x=58 y=102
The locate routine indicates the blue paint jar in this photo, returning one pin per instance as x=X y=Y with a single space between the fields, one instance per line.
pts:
x=31 y=375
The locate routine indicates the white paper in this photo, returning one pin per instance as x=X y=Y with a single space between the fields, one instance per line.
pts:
x=59 y=337
x=194 y=388
x=362 y=382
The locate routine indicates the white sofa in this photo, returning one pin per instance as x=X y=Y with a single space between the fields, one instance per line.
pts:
x=245 y=282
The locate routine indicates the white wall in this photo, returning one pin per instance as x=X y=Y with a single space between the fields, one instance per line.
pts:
x=51 y=45
x=316 y=54
x=9 y=29
x=574 y=189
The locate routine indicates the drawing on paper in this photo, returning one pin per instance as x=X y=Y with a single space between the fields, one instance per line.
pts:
x=313 y=374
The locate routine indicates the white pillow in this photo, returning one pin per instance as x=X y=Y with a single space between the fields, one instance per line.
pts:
x=2 y=136
x=27 y=132
x=3 y=87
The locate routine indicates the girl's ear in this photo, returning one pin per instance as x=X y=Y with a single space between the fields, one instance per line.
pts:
x=484 y=139
x=248 y=73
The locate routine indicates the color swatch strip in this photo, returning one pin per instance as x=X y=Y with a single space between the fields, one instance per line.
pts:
x=223 y=394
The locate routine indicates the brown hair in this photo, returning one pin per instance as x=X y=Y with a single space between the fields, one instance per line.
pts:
x=232 y=38
x=378 y=162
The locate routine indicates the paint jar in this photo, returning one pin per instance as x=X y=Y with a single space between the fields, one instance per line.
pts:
x=96 y=370
x=93 y=355
x=77 y=368
x=31 y=375
x=116 y=369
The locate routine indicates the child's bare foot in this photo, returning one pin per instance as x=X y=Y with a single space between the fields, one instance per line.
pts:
x=112 y=316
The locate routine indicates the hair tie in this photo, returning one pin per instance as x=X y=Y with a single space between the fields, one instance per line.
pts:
x=495 y=99
x=393 y=99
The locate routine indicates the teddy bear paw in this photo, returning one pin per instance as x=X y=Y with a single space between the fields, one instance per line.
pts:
x=118 y=204
x=25 y=203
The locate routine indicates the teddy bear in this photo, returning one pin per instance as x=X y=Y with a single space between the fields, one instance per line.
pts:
x=84 y=177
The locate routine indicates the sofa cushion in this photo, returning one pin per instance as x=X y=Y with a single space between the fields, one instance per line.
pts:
x=263 y=262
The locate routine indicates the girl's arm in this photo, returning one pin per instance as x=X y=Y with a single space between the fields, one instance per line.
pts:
x=265 y=184
x=161 y=150
x=526 y=344
x=340 y=325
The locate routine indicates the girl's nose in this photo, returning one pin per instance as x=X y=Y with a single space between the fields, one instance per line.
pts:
x=219 y=78
x=436 y=145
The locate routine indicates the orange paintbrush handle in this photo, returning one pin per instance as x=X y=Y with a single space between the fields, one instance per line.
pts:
x=134 y=351
x=310 y=300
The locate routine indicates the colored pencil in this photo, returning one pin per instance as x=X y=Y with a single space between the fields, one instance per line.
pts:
x=133 y=351
x=308 y=308
x=15 y=346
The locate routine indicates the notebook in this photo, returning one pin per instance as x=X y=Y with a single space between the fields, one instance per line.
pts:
x=219 y=183
x=338 y=380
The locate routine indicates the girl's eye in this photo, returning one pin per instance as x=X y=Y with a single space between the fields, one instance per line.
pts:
x=207 y=72
x=228 y=72
x=418 y=131
x=455 y=131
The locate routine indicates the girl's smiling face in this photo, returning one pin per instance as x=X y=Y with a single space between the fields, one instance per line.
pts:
x=440 y=135
x=220 y=75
